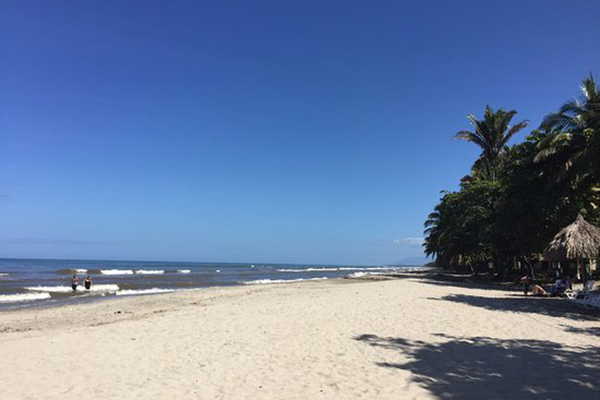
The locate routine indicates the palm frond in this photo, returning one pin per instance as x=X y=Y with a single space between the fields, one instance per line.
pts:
x=516 y=128
x=590 y=89
x=557 y=121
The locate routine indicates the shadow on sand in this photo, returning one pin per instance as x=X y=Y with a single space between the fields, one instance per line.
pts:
x=467 y=282
x=487 y=368
x=594 y=331
x=554 y=307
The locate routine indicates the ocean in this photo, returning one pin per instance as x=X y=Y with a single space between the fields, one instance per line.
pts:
x=26 y=282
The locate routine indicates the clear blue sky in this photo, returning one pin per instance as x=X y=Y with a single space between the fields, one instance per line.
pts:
x=260 y=131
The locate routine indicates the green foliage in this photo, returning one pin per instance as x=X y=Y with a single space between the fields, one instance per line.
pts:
x=573 y=138
x=517 y=198
x=459 y=230
x=491 y=134
x=532 y=206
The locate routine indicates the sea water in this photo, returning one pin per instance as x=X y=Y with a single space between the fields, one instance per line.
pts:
x=33 y=282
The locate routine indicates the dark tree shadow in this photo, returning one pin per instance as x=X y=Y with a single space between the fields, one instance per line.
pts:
x=594 y=331
x=555 y=307
x=467 y=282
x=487 y=368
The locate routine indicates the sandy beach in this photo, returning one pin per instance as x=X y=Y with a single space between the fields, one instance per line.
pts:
x=412 y=337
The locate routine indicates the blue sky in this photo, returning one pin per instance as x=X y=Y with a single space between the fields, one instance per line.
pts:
x=260 y=131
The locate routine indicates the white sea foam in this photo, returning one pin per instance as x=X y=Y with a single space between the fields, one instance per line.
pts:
x=116 y=272
x=143 y=291
x=360 y=274
x=385 y=271
x=50 y=289
x=217 y=270
x=68 y=289
x=100 y=288
x=81 y=270
x=367 y=268
x=308 y=270
x=16 y=298
x=3 y=274
x=150 y=271
x=184 y=271
x=266 y=281
x=416 y=268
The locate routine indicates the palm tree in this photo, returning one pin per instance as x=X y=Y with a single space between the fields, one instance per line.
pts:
x=445 y=244
x=492 y=134
x=458 y=231
x=434 y=235
x=574 y=132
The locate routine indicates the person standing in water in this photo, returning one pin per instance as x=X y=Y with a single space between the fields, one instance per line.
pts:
x=74 y=282
x=87 y=282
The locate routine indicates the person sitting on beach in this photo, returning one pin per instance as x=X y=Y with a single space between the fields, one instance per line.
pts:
x=87 y=282
x=74 y=282
x=539 y=291
x=568 y=282
x=560 y=286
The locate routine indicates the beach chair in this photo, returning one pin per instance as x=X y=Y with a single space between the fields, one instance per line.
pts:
x=586 y=291
x=585 y=297
x=590 y=302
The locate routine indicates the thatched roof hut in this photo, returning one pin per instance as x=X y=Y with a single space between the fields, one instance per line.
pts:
x=578 y=241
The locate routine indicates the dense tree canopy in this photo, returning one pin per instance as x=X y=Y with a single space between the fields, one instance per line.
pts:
x=518 y=197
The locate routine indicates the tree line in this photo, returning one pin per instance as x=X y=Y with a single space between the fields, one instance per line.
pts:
x=516 y=198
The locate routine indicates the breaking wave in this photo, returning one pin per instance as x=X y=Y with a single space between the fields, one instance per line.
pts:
x=150 y=271
x=68 y=289
x=386 y=270
x=17 y=298
x=116 y=271
x=361 y=274
x=131 y=272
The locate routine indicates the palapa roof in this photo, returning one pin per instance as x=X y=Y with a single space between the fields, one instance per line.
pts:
x=580 y=240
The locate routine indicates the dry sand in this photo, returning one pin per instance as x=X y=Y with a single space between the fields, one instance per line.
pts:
x=393 y=339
